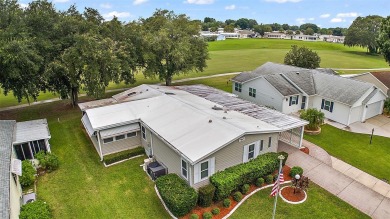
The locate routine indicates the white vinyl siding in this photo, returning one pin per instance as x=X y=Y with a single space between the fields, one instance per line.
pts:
x=204 y=169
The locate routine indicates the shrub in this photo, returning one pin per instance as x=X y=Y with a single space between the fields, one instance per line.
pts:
x=269 y=179
x=314 y=117
x=232 y=178
x=194 y=216
x=216 y=211
x=48 y=161
x=296 y=170
x=206 y=195
x=207 y=215
x=36 y=209
x=245 y=188
x=237 y=196
x=112 y=158
x=259 y=182
x=28 y=174
x=226 y=203
x=178 y=196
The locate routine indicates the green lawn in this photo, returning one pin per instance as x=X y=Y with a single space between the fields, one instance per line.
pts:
x=319 y=204
x=82 y=187
x=222 y=83
x=247 y=54
x=356 y=150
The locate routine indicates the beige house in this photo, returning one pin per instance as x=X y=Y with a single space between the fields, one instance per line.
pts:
x=186 y=132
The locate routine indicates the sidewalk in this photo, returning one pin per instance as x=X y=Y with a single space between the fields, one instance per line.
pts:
x=341 y=185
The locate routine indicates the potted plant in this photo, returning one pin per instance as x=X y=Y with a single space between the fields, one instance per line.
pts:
x=315 y=119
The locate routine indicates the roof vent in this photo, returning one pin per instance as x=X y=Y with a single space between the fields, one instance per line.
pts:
x=169 y=93
x=215 y=107
x=210 y=121
x=224 y=117
x=297 y=72
x=131 y=93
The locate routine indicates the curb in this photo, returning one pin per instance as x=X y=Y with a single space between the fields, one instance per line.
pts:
x=290 y=202
x=121 y=161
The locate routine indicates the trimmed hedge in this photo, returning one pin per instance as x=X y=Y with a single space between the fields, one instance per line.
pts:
x=28 y=174
x=194 y=216
x=112 y=158
x=36 y=209
x=215 y=211
x=48 y=161
x=245 y=188
x=232 y=178
x=237 y=196
x=178 y=196
x=296 y=170
x=226 y=203
x=259 y=182
x=206 y=195
x=207 y=215
x=269 y=179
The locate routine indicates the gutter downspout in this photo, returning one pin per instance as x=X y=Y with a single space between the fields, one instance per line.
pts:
x=100 y=146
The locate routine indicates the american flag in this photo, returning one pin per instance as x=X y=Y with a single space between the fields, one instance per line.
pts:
x=275 y=189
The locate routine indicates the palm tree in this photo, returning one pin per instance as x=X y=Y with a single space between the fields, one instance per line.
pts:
x=314 y=117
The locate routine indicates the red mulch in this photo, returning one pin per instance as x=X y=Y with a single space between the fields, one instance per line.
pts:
x=224 y=211
x=288 y=193
x=305 y=150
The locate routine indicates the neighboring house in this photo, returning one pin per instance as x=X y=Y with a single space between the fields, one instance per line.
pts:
x=289 y=89
x=332 y=39
x=379 y=79
x=18 y=141
x=192 y=131
x=274 y=35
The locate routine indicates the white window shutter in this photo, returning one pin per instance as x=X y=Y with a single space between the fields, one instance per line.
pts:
x=245 y=155
x=257 y=148
x=211 y=166
x=196 y=172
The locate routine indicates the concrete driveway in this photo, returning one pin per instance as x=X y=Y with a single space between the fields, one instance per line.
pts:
x=380 y=124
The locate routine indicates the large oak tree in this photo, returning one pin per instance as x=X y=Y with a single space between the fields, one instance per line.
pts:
x=172 y=45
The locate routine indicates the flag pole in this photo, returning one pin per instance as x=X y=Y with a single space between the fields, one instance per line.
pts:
x=281 y=157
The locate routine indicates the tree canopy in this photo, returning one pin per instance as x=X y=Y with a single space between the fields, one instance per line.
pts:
x=302 y=57
x=383 y=41
x=172 y=45
x=363 y=32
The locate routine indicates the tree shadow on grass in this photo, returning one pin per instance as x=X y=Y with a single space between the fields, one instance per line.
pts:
x=361 y=53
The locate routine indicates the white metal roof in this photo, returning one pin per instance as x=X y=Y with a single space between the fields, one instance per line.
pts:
x=31 y=131
x=186 y=121
x=119 y=130
x=87 y=125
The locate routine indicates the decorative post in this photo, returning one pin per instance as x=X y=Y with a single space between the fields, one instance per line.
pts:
x=281 y=158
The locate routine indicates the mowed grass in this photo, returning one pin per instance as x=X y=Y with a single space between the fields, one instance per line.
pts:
x=82 y=187
x=319 y=204
x=236 y=55
x=356 y=149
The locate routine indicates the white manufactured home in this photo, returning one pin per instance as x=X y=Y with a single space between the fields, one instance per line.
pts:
x=289 y=89
x=192 y=131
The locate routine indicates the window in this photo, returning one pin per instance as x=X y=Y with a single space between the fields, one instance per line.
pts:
x=269 y=141
x=252 y=92
x=120 y=137
x=204 y=170
x=184 y=169
x=261 y=145
x=108 y=140
x=131 y=134
x=293 y=100
x=143 y=132
x=251 y=151
x=327 y=105
x=237 y=87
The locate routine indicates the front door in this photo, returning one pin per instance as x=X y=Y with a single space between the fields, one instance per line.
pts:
x=303 y=102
